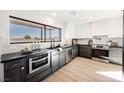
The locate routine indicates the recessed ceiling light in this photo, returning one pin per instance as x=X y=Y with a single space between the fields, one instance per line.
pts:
x=90 y=17
x=54 y=14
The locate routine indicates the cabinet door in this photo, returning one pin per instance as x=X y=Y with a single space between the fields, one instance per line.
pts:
x=15 y=70
x=62 y=58
x=55 y=62
x=73 y=53
x=13 y=75
x=24 y=70
x=76 y=51
x=85 y=51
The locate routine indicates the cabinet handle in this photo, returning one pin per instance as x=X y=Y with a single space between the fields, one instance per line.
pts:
x=22 y=68
x=14 y=65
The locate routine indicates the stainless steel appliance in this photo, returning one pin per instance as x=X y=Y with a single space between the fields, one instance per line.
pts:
x=100 y=54
x=69 y=55
x=39 y=62
x=115 y=55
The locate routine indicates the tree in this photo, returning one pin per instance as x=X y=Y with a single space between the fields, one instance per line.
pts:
x=27 y=37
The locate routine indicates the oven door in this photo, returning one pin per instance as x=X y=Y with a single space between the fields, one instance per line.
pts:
x=36 y=64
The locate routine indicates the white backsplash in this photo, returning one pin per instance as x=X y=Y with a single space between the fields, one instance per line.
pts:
x=101 y=39
x=104 y=41
x=18 y=47
x=118 y=40
x=84 y=41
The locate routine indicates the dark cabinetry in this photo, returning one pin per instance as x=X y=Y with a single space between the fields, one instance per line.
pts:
x=58 y=59
x=15 y=70
x=85 y=51
x=74 y=51
x=13 y=75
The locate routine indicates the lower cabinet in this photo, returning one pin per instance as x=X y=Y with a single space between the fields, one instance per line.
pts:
x=13 y=75
x=14 y=70
x=58 y=59
x=74 y=51
x=85 y=51
x=115 y=55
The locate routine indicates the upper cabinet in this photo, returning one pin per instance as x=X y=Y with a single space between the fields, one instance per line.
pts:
x=84 y=31
x=53 y=34
x=112 y=27
x=100 y=28
x=25 y=31
x=116 y=27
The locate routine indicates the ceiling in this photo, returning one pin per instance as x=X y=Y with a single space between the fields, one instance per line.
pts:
x=75 y=16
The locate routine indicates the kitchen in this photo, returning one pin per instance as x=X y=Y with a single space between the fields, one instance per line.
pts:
x=48 y=45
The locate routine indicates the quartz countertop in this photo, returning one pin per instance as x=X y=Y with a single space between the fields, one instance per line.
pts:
x=116 y=47
x=10 y=56
x=101 y=48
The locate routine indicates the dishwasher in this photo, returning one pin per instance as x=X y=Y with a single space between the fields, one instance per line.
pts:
x=68 y=55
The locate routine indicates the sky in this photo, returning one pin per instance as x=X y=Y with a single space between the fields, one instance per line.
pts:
x=19 y=31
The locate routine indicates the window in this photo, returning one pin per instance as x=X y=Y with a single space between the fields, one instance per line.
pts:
x=53 y=34
x=25 y=32
x=56 y=34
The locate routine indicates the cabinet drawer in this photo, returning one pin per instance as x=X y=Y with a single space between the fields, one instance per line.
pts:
x=115 y=55
x=115 y=60
x=116 y=49
x=12 y=65
x=115 y=52
x=39 y=77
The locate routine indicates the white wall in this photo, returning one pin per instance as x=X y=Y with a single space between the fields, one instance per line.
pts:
x=30 y=15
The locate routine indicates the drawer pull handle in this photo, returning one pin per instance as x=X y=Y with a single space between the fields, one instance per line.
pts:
x=22 y=68
x=14 y=65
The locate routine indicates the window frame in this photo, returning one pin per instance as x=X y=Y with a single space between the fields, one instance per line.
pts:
x=43 y=36
x=60 y=35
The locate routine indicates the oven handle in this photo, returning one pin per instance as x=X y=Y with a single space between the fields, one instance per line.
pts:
x=30 y=60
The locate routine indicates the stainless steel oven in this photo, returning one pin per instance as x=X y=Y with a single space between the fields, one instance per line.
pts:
x=39 y=62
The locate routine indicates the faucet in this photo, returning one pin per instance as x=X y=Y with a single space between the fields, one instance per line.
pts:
x=52 y=43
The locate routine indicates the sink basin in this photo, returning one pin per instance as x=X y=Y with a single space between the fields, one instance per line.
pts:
x=58 y=48
x=52 y=47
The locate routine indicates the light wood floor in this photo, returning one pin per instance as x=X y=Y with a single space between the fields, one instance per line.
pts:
x=83 y=70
